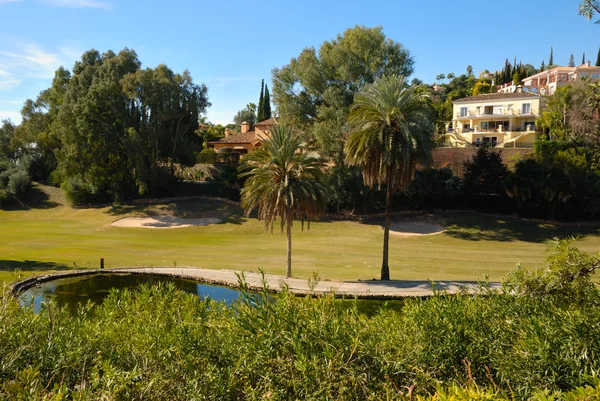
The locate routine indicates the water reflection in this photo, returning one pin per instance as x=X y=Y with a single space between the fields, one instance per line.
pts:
x=70 y=292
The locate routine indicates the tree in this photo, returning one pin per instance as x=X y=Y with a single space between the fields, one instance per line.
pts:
x=440 y=78
x=583 y=58
x=315 y=90
x=569 y=114
x=571 y=61
x=598 y=59
x=38 y=118
x=391 y=132
x=247 y=114
x=284 y=181
x=267 y=104
x=469 y=70
x=551 y=59
x=588 y=8
x=543 y=66
x=516 y=78
x=7 y=133
x=261 y=100
x=450 y=76
x=483 y=85
x=119 y=125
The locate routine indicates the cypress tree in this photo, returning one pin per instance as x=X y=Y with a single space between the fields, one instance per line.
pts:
x=260 y=112
x=267 y=104
x=571 y=61
x=543 y=66
x=551 y=61
x=598 y=59
x=583 y=58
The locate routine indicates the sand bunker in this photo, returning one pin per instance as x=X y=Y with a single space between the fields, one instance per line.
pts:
x=416 y=228
x=163 y=222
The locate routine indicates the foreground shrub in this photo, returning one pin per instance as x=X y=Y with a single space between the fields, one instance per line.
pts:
x=161 y=344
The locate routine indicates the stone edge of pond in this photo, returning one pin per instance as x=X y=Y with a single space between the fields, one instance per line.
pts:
x=23 y=285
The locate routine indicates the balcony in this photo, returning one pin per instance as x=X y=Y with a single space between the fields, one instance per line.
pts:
x=508 y=113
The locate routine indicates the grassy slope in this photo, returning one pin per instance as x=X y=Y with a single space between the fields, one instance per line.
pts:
x=55 y=237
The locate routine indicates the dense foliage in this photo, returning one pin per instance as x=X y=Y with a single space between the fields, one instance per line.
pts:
x=161 y=344
x=110 y=130
x=14 y=167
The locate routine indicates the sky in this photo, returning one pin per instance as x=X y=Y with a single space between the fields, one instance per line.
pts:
x=231 y=45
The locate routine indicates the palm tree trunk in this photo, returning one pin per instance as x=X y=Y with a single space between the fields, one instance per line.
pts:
x=385 y=268
x=288 y=272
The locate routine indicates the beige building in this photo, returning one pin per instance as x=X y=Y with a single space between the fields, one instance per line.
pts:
x=501 y=119
x=546 y=82
x=245 y=141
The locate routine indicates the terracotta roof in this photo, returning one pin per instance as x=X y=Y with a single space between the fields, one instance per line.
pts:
x=496 y=96
x=269 y=122
x=246 y=137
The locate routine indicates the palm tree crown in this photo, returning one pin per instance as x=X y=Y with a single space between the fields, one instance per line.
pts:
x=391 y=132
x=285 y=181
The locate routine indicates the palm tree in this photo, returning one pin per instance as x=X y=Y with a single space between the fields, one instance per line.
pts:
x=285 y=181
x=391 y=132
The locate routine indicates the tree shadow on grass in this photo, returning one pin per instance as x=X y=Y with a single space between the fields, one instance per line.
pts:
x=189 y=209
x=503 y=229
x=31 y=265
x=478 y=227
x=34 y=198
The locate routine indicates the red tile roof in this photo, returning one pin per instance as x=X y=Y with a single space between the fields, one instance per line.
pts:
x=246 y=137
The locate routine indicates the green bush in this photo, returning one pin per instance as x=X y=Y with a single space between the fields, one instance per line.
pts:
x=545 y=150
x=207 y=156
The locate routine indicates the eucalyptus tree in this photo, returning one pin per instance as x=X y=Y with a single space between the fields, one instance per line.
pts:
x=284 y=181
x=315 y=90
x=392 y=128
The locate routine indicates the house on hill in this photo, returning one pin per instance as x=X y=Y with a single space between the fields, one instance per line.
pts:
x=245 y=141
x=548 y=81
x=500 y=119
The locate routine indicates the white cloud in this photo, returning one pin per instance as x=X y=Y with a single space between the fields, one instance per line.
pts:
x=31 y=61
x=104 y=5
x=14 y=116
x=8 y=84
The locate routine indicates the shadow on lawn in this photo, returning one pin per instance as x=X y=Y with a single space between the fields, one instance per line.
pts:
x=192 y=209
x=486 y=228
x=30 y=265
x=34 y=198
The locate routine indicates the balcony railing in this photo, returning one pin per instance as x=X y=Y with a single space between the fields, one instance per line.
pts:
x=509 y=113
x=492 y=130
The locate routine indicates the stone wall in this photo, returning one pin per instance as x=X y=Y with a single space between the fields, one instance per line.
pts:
x=454 y=157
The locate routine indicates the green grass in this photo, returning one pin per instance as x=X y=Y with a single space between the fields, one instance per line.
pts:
x=51 y=236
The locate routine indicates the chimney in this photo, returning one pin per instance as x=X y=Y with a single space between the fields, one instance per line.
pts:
x=226 y=132
x=587 y=63
x=245 y=127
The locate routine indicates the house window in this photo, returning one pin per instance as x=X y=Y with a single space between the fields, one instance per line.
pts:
x=494 y=141
x=463 y=111
x=498 y=110
x=526 y=108
x=510 y=108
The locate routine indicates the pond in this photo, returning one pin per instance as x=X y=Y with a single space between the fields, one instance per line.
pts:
x=72 y=291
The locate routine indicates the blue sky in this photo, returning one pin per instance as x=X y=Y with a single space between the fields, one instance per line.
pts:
x=231 y=45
